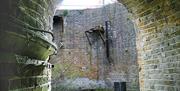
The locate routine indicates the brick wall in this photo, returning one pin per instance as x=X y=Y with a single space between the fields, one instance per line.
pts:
x=158 y=43
x=24 y=47
x=77 y=50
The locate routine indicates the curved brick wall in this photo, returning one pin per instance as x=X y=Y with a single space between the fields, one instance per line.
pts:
x=158 y=43
x=26 y=43
x=78 y=53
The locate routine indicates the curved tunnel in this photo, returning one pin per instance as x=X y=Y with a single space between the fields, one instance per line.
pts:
x=27 y=42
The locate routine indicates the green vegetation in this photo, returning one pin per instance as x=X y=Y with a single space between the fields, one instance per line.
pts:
x=65 y=13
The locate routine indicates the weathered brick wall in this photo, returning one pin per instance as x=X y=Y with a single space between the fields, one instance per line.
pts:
x=122 y=38
x=158 y=43
x=23 y=60
x=34 y=13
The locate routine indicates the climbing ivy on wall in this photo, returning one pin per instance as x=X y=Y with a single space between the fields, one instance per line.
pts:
x=65 y=13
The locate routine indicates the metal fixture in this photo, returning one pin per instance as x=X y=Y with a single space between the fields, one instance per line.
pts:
x=119 y=86
x=99 y=30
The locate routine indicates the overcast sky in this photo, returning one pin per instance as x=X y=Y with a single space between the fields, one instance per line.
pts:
x=83 y=4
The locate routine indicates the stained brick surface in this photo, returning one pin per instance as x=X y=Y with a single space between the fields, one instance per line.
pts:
x=157 y=42
x=16 y=16
x=76 y=49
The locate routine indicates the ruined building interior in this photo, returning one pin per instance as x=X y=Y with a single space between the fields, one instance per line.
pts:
x=123 y=45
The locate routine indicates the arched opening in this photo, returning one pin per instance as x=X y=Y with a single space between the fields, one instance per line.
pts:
x=157 y=35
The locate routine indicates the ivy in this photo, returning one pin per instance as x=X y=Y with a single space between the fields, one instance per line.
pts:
x=65 y=13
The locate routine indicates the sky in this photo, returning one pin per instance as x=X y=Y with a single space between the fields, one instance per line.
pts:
x=83 y=4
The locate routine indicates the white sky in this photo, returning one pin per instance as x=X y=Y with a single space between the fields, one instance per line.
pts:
x=83 y=4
